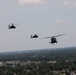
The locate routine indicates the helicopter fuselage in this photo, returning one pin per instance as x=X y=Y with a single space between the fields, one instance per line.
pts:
x=35 y=36
x=53 y=40
x=12 y=27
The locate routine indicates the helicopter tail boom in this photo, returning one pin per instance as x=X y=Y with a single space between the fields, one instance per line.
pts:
x=31 y=36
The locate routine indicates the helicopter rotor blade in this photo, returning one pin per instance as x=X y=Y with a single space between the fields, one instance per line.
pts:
x=38 y=34
x=15 y=24
x=59 y=35
x=54 y=36
x=45 y=37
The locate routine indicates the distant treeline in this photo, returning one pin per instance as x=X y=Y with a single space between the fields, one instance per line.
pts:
x=59 y=54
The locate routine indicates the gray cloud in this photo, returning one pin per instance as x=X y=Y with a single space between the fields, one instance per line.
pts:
x=22 y=2
x=69 y=3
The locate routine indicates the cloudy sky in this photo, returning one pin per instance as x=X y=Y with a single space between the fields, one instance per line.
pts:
x=43 y=17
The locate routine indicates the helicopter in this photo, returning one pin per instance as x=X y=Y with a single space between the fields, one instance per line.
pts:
x=53 y=38
x=12 y=26
x=34 y=36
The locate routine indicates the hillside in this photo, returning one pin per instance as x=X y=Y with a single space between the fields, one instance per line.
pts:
x=41 y=55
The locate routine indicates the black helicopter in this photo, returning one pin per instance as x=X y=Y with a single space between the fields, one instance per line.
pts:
x=53 y=38
x=34 y=36
x=12 y=26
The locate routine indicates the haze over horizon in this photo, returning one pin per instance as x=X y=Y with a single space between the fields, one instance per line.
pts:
x=44 y=17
